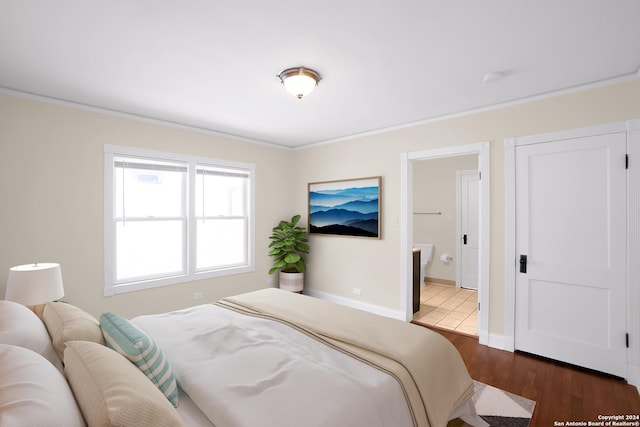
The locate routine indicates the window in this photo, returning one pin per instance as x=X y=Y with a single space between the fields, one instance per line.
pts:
x=172 y=218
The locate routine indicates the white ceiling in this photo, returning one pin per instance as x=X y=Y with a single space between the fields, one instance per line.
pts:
x=212 y=64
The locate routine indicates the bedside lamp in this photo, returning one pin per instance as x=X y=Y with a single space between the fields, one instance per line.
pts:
x=34 y=284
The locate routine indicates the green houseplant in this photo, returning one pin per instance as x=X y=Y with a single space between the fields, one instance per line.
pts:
x=288 y=243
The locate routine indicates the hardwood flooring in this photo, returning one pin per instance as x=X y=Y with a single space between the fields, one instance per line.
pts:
x=563 y=393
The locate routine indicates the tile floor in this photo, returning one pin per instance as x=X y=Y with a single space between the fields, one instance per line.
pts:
x=448 y=307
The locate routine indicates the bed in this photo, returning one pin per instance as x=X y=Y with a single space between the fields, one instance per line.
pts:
x=265 y=358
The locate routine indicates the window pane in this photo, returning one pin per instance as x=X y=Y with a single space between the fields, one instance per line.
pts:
x=221 y=243
x=149 y=248
x=157 y=203
x=142 y=191
x=221 y=193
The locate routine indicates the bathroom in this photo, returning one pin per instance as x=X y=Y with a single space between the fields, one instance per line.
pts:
x=445 y=230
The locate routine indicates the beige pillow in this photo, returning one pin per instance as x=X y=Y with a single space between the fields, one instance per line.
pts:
x=33 y=392
x=111 y=391
x=66 y=322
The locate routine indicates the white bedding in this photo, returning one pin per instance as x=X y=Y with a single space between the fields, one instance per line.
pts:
x=189 y=413
x=243 y=371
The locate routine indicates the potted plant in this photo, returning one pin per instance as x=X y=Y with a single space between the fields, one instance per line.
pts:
x=288 y=243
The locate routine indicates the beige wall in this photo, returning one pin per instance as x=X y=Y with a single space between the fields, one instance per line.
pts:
x=51 y=183
x=434 y=190
x=52 y=193
x=338 y=264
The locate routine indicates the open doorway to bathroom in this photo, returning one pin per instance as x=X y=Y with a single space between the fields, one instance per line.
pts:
x=441 y=274
x=445 y=230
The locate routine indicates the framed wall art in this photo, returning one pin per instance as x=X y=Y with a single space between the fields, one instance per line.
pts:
x=349 y=207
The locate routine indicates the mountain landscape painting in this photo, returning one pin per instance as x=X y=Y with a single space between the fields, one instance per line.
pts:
x=345 y=208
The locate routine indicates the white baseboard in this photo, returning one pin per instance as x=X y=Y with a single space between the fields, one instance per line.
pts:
x=371 y=308
x=633 y=376
x=501 y=342
x=483 y=337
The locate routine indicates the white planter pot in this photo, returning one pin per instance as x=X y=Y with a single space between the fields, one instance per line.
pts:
x=293 y=282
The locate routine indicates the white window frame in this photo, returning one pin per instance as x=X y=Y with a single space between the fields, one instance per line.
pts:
x=191 y=273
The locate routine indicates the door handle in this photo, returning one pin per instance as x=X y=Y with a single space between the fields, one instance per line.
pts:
x=523 y=263
x=464 y=239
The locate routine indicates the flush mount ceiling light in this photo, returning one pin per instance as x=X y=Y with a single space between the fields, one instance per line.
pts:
x=299 y=81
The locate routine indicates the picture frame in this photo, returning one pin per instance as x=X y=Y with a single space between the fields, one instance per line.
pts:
x=348 y=207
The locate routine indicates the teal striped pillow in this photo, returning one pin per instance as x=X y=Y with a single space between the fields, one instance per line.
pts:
x=139 y=348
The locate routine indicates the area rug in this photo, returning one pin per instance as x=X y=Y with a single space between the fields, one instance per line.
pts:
x=499 y=408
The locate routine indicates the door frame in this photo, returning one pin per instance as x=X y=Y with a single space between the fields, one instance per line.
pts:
x=459 y=212
x=482 y=149
x=632 y=129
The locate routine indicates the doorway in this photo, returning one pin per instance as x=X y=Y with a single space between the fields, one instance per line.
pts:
x=482 y=150
x=445 y=230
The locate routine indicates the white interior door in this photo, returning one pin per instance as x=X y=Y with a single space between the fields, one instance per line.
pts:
x=571 y=227
x=468 y=236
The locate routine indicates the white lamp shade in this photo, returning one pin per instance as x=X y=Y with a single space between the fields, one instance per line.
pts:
x=33 y=284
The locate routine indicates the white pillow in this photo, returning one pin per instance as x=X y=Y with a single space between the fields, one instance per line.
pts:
x=22 y=327
x=34 y=393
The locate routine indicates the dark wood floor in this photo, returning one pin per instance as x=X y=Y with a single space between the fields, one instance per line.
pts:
x=562 y=392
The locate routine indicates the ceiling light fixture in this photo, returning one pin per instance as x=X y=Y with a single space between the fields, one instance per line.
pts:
x=299 y=81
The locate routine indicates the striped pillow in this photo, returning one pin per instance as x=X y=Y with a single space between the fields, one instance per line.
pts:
x=139 y=348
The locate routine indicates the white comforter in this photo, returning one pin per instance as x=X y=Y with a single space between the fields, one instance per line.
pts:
x=243 y=371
